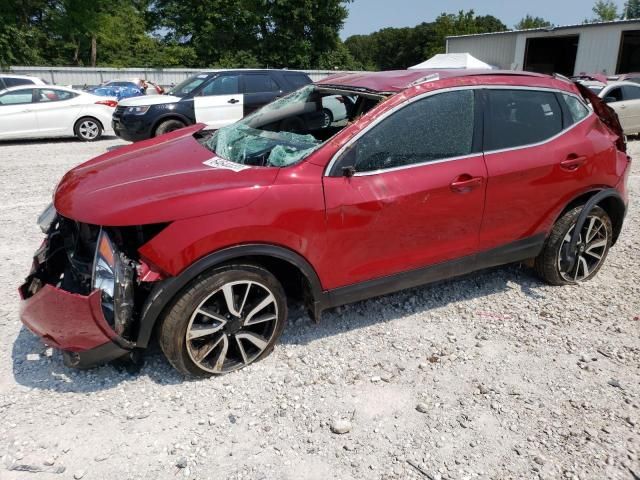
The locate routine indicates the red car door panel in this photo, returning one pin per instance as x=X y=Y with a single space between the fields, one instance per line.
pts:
x=417 y=195
x=528 y=186
x=391 y=222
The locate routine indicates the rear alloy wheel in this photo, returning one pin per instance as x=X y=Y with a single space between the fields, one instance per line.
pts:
x=88 y=129
x=593 y=245
x=225 y=321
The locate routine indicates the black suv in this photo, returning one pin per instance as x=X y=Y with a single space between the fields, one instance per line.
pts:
x=217 y=98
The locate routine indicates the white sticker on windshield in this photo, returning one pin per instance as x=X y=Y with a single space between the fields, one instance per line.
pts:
x=217 y=162
x=203 y=75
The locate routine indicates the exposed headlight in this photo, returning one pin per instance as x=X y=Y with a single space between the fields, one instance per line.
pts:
x=113 y=275
x=137 y=110
x=47 y=218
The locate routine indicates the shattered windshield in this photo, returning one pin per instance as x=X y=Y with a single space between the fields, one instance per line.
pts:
x=290 y=128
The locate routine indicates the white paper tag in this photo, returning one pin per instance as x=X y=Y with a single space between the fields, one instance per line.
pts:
x=217 y=162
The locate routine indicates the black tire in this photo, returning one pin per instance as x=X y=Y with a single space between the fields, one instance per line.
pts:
x=88 y=129
x=548 y=263
x=205 y=294
x=168 y=126
x=328 y=118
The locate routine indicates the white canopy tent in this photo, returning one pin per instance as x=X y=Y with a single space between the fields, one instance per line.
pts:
x=452 y=60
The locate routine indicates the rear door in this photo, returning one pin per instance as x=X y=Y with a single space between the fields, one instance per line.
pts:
x=56 y=110
x=259 y=89
x=220 y=101
x=542 y=149
x=17 y=115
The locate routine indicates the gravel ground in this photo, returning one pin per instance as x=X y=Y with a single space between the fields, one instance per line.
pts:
x=494 y=375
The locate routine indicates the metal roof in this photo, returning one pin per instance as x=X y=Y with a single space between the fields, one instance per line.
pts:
x=551 y=29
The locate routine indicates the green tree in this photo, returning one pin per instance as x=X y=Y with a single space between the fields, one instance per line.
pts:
x=604 y=11
x=632 y=9
x=529 y=21
x=339 y=58
x=462 y=23
x=274 y=33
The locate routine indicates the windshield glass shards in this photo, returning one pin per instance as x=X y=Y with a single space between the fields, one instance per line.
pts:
x=289 y=129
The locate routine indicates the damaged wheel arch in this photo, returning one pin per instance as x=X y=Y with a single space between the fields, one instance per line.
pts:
x=165 y=291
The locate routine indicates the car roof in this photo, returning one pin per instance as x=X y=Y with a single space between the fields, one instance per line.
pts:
x=620 y=83
x=55 y=87
x=398 y=80
x=249 y=70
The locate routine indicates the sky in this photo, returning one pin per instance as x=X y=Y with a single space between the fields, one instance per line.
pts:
x=366 y=16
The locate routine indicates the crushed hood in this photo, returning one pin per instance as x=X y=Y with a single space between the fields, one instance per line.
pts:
x=156 y=181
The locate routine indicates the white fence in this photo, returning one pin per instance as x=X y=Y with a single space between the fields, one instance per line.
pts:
x=80 y=76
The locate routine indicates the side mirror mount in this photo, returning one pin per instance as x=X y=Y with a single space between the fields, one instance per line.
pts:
x=348 y=171
x=610 y=99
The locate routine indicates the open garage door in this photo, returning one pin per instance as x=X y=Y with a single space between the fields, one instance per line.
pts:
x=629 y=58
x=552 y=54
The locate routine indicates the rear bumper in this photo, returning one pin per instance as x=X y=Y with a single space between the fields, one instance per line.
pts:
x=72 y=323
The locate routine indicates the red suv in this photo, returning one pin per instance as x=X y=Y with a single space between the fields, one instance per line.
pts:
x=201 y=237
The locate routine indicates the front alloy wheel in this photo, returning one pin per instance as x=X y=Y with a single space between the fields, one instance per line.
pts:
x=225 y=321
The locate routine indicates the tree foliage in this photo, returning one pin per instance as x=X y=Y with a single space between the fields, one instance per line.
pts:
x=398 y=48
x=632 y=9
x=529 y=21
x=604 y=11
x=190 y=33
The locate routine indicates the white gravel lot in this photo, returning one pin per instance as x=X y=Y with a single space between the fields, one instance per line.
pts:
x=494 y=375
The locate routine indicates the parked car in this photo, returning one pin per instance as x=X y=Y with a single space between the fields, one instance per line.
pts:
x=215 y=98
x=627 y=77
x=8 y=80
x=119 y=89
x=38 y=111
x=203 y=237
x=624 y=98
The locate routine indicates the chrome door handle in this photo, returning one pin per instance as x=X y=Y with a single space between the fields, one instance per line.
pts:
x=465 y=183
x=572 y=163
x=233 y=100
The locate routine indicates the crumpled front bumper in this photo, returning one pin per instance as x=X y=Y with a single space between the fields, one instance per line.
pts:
x=72 y=323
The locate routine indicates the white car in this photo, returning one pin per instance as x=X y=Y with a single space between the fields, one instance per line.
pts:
x=624 y=98
x=38 y=111
x=8 y=80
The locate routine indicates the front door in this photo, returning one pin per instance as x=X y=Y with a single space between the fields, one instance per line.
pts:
x=417 y=195
x=56 y=110
x=220 y=102
x=17 y=116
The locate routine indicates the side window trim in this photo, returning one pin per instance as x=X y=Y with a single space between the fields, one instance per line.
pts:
x=334 y=168
x=550 y=139
x=33 y=97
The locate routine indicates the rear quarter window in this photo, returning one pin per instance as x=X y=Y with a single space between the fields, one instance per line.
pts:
x=298 y=80
x=577 y=110
x=517 y=118
x=14 y=82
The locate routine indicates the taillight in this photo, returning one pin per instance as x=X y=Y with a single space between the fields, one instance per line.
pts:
x=108 y=103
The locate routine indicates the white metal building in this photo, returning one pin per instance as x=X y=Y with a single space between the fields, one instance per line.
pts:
x=608 y=47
